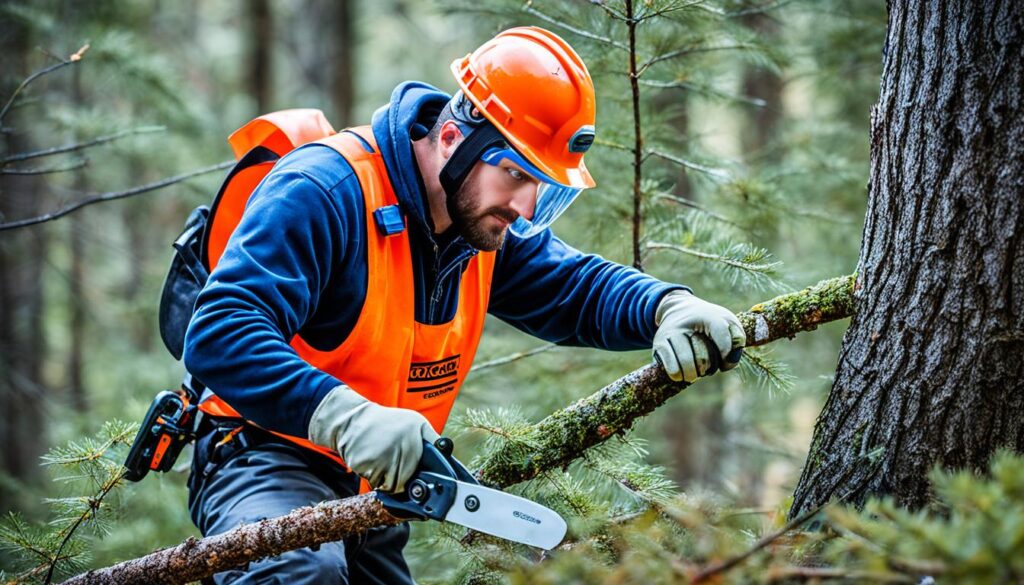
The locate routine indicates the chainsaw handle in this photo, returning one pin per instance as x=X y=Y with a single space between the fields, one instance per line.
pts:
x=430 y=492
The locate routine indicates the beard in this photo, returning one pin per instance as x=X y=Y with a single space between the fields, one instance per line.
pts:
x=474 y=224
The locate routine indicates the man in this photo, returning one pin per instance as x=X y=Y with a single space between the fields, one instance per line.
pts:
x=344 y=313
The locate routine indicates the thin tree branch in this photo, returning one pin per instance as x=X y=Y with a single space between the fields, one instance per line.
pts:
x=560 y=439
x=669 y=9
x=706 y=256
x=23 y=156
x=731 y=562
x=74 y=58
x=687 y=203
x=690 y=51
x=706 y=90
x=529 y=9
x=513 y=357
x=46 y=171
x=113 y=196
x=721 y=567
x=721 y=174
x=638 y=140
x=94 y=505
x=603 y=5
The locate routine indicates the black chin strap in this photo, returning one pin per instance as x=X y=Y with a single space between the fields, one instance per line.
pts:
x=466 y=154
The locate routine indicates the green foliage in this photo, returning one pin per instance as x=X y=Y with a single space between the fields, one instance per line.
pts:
x=91 y=472
x=973 y=533
x=737 y=213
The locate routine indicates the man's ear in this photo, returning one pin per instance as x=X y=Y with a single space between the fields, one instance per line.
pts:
x=449 y=138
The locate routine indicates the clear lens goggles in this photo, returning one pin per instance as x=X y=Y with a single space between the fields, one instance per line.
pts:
x=553 y=198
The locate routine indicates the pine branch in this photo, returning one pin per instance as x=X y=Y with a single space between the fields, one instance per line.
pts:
x=559 y=439
x=90 y=512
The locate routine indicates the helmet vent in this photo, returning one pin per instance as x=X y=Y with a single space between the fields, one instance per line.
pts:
x=582 y=139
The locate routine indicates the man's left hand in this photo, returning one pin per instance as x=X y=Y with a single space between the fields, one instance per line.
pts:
x=689 y=330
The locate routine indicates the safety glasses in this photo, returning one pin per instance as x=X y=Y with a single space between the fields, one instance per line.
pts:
x=552 y=198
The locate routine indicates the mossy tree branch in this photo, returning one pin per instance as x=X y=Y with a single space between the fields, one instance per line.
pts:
x=560 y=438
x=564 y=435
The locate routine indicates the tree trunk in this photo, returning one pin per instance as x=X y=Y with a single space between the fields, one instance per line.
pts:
x=261 y=35
x=342 y=62
x=760 y=132
x=76 y=279
x=22 y=254
x=930 y=372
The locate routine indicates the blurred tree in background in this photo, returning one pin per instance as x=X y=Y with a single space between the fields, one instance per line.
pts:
x=725 y=130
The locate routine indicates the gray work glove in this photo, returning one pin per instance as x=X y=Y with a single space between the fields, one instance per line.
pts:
x=380 y=443
x=686 y=327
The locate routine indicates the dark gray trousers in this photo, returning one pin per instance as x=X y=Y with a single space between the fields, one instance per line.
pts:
x=259 y=476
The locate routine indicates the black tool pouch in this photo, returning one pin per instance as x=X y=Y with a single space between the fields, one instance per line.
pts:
x=185 y=279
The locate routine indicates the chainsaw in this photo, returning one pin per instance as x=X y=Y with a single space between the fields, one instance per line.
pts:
x=443 y=489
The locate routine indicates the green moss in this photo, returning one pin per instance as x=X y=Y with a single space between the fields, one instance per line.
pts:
x=803 y=310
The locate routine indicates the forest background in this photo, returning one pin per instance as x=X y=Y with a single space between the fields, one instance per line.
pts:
x=756 y=187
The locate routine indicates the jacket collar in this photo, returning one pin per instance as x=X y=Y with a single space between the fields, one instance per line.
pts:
x=411 y=112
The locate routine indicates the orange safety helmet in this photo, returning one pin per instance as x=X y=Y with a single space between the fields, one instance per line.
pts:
x=534 y=88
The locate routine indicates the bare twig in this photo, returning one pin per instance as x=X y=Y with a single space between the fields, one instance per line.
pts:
x=113 y=196
x=74 y=58
x=46 y=171
x=512 y=357
x=23 y=156
x=731 y=562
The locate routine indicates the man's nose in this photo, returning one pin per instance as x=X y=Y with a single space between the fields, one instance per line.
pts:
x=524 y=201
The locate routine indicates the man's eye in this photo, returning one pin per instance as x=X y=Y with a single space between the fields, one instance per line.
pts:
x=516 y=174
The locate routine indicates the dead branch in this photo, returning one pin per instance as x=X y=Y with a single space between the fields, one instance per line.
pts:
x=76 y=146
x=71 y=60
x=113 y=195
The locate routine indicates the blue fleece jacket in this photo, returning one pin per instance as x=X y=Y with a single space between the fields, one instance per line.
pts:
x=296 y=264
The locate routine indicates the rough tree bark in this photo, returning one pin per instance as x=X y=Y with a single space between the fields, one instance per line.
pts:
x=556 y=441
x=930 y=371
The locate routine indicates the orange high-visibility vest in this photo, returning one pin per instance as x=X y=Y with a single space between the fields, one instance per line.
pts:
x=389 y=357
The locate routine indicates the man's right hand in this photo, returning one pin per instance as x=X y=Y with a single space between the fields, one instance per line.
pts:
x=380 y=443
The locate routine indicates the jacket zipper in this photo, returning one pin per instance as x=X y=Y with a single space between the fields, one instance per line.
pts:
x=440 y=277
